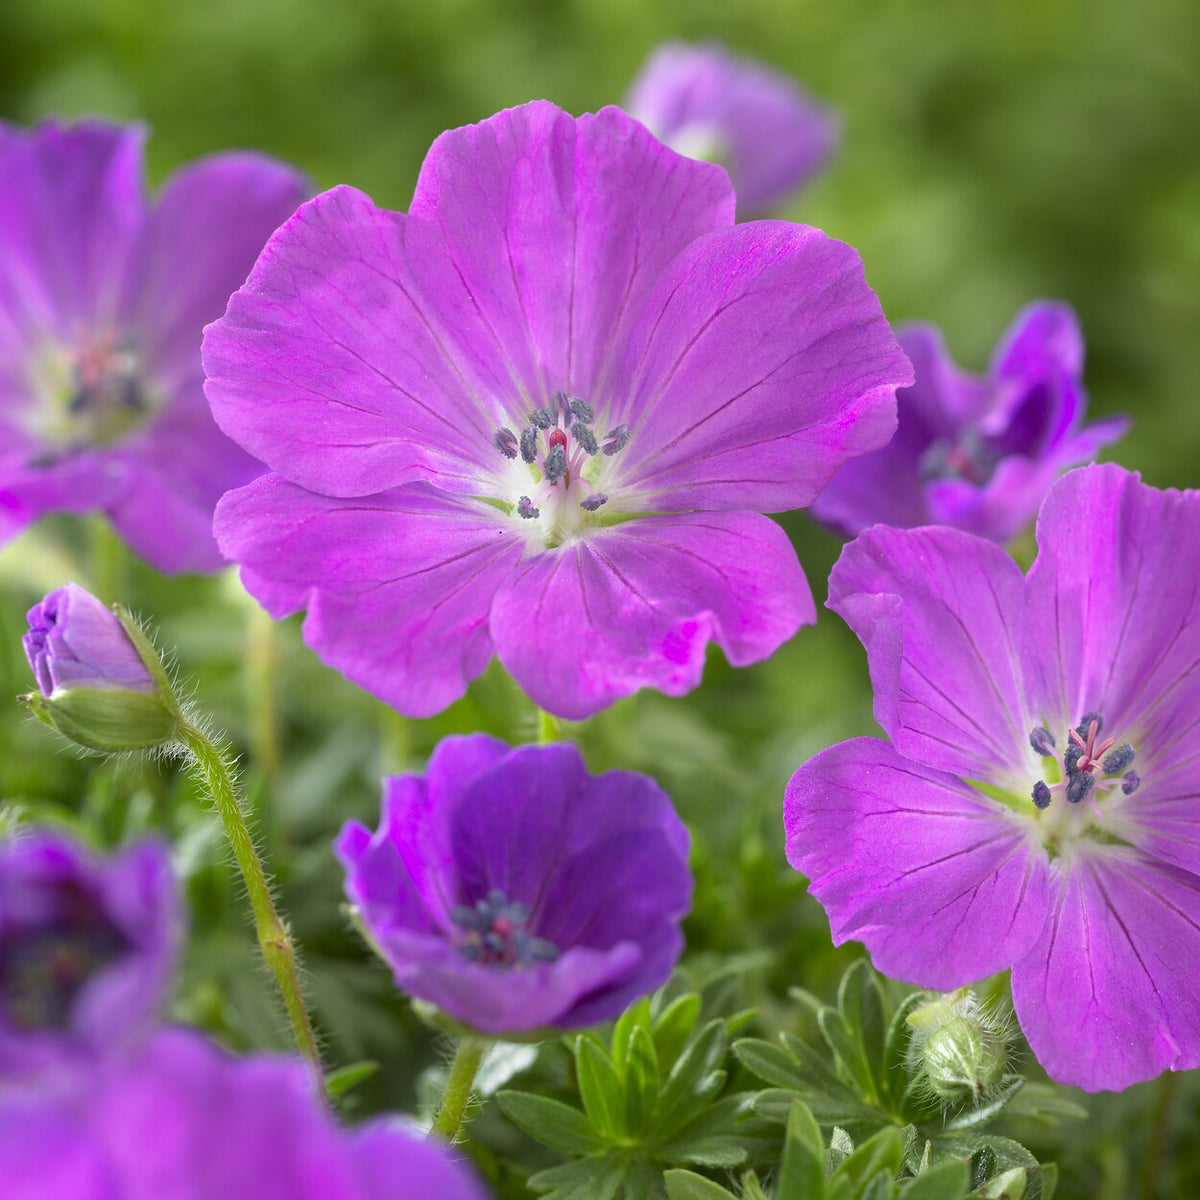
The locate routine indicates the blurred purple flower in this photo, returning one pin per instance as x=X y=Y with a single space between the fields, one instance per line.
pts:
x=977 y=453
x=517 y=892
x=760 y=124
x=181 y=1120
x=76 y=641
x=102 y=303
x=466 y=405
x=87 y=946
x=1039 y=803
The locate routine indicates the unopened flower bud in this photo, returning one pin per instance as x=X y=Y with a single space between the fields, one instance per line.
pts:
x=959 y=1048
x=100 y=681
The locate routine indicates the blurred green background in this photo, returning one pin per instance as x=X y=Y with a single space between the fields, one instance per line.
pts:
x=993 y=153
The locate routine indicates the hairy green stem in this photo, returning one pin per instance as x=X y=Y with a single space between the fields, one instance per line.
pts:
x=468 y=1054
x=273 y=935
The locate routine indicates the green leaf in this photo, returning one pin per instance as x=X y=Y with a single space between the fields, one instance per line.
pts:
x=550 y=1122
x=895 y=1049
x=802 y=1171
x=697 y=1062
x=713 y=1137
x=1007 y=1185
x=686 y=1185
x=641 y=1080
x=947 y=1180
x=774 y=1104
x=582 y=1179
x=847 y=1046
x=339 y=1082
x=635 y=1015
x=882 y=1152
x=1049 y=1180
x=673 y=1026
x=861 y=1003
x=600 y=1087
x=995 y=1104
x=770 y=1062
x=1046 y=1102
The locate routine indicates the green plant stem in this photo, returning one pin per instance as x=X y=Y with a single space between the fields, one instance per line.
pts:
x=107 y=554
x=1156 y=1140
x=262 y=661
x=468 y=1054
x=273 y=935
x=549 y=728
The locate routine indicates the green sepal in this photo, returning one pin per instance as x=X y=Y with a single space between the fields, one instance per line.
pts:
x=109 y=720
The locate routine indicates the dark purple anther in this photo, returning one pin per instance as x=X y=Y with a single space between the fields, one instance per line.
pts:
x=543 y=418
x=616 y=439
x=529 y=444
x=593 y=502
x=1042 y=740
x=1086 y=721
x=581 y=410
x=506 y=442
x=1130 y=782
x=1079 y=786
x=585 y=437
x=555 y=466
x=1117 y=759
x=1041 y=794
x=526 y=509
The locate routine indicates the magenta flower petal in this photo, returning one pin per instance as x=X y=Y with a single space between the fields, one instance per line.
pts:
x=517 y=892
x=86 y=949
x=916 y=598
x=759 y=123
x=1107 y=995
x=937 y=884
x=1095 y=656
x=977 y=452
x=723 y=417
x=182 y=1120
x=406 y=581
x=565 y=335
x=637 y=604
x=102 y=300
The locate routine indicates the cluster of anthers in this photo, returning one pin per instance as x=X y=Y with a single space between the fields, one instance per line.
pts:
x=494 y=933
x=1085 y=756
x=558 y=444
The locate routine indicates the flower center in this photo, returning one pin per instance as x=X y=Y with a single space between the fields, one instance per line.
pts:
x=44 y=967
x=92 y=394
x=492 y=932
x=565 y=463
x=1092 y=766
x=968 y=457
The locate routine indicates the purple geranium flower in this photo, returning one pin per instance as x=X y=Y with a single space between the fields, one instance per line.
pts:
x=86 y=947
x=517 y=892
x=75 y=641
x=467 y=405
x=102 y=301
x=182 y=1120
x=704 y=102
x=1039 y=804
x=977 y=453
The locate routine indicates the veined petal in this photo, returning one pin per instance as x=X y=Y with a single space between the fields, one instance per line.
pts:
x=207 y=227
x=762 y=361
x=72 y=207
x=939 y=613
x=1114 y=609
x=1106 y=996
x=635 y=605
x=369 y=349
x=397 y=585
x=941 y=886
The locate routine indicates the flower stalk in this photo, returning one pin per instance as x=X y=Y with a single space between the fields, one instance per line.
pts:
x=216 y=773
x=468 y=1054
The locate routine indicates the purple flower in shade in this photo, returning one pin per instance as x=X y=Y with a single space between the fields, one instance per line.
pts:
x=86 y=948
x=1039 y=803
x=181 y=1120
x=466 y=405
x=977 y=453
x=517 y=892
x=102 y=302
x=702 y=101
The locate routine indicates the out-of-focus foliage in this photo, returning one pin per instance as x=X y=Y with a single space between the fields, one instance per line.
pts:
x=994 y=152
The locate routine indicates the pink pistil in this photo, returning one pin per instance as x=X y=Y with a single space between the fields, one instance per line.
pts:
x=1091 y=754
